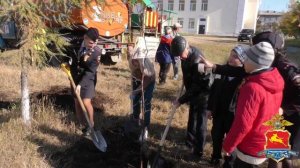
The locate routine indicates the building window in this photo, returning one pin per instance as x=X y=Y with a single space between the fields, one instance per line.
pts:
x=181 y=5
x=193 y=5
x=204 y=5
x=180 y=21
x=160 y=5
x=170 y=4
x=191 y=23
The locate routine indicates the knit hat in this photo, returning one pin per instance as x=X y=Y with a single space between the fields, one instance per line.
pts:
x=240 y=51
x=92 y=33
x=261 y=55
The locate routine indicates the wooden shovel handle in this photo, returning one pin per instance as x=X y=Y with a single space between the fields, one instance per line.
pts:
x=66 y=69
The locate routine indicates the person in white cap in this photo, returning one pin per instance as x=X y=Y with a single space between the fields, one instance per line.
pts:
x=176 y=58
x=143 y=78
x=259 y=100
x=176 y=29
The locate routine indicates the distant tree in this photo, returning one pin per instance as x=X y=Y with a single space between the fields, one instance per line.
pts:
x=290 y=21
x=259 y=26
x=275 y=27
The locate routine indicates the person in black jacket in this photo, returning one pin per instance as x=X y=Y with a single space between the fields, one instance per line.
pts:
x=291 y=75
x=220 y=98
x=197 y=89
x=84 y=72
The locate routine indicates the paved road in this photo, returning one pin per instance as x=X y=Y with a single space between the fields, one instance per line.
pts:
x=293 y=50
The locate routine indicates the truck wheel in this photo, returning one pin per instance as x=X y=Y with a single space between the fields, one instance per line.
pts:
x=106 y=60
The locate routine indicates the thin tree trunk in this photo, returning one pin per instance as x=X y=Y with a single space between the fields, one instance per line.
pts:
x=129 y=22
x=24 y=90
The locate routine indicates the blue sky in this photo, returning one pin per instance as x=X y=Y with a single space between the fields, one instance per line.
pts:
x=277 y=5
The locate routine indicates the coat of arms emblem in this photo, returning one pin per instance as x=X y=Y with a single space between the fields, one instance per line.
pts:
x=277 y=145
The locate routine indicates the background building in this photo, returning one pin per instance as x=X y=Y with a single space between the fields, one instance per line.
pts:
x=211 y=17
x=268 y=20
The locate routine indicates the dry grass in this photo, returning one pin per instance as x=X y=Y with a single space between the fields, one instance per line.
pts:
x=53 y=129
x=32 y=146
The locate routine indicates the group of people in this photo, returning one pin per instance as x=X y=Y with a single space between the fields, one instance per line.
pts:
x=255 y=83
x=163 y=55
x=240 y=96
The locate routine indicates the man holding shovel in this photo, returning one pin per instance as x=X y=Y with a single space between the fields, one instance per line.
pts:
x=143 y=82
x=197 y=90
x=84 y=72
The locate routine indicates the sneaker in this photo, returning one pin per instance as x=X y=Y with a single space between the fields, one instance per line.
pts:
x=86 y=131
x=161 y=83
x=197 y=152
x=189 y=144
x=144 y=135
x=175 y=77
x=215 y=162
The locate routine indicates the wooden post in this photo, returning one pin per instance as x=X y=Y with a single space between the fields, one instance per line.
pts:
x=156 y=26
x=129 y=21
x=143 y=23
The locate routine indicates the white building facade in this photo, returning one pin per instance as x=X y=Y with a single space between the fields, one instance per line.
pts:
x=268 y=20
x=211 y=17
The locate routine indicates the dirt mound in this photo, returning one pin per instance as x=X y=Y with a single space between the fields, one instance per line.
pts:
x=61 y=97
x=121 y=152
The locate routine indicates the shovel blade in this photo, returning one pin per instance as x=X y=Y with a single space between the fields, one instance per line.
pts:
x=99 y=140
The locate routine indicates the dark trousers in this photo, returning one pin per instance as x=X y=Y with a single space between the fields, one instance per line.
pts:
x=285 y=163
x=148 y=94
x=197 y=124
x=241 y=164
x=229 y=160
x=221 y=126
x=176 y=64
x=163 y=71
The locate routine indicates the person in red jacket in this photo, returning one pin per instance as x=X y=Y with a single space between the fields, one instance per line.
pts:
x=259 y=100
x=163 y=55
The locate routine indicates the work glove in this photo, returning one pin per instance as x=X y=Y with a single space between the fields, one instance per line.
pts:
x=78 y=87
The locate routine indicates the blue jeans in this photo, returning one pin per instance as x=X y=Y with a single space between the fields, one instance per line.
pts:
x=148 y=94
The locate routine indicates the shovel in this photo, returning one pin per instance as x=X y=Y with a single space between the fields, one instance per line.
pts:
x=156 y=163
x=96 y=136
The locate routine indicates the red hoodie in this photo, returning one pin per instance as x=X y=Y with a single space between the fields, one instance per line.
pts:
x=166 y=39
x=259 y=100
